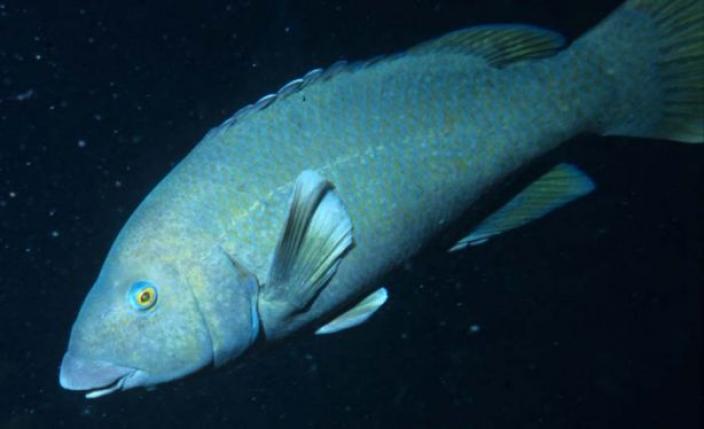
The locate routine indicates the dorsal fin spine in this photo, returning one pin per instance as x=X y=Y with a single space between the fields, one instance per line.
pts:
x=499 y=45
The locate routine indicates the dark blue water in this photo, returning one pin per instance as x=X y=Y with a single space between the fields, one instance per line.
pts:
x=589 y=318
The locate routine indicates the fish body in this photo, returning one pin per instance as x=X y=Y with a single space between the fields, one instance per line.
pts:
x=368 y=161
x=405 y=164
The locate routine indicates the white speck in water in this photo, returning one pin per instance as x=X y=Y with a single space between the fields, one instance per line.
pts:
x=55 y=234
x=25 y=95
x=474 y=328
x=82 y=143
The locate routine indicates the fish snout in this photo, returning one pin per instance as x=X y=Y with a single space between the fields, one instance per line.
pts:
x=84 y=374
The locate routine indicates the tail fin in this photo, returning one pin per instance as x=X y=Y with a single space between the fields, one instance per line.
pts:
x=657 y=49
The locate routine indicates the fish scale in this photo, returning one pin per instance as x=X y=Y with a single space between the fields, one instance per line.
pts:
x=380 y=122
x=371 y=119
x=288 y=214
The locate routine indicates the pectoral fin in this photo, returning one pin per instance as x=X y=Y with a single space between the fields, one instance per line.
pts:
x=317 y=234
x=559 y=186
x=357 y=315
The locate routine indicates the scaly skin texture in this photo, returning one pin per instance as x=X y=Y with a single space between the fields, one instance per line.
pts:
x=409 y=142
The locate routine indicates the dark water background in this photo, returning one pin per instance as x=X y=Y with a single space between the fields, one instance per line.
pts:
x=589 y=318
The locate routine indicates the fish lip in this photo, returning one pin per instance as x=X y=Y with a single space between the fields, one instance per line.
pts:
x=98 y=378
x=118 y=384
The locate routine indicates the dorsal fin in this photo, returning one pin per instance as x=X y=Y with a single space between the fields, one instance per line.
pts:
x=293 y=87
x=499 y=44
x=286 y=90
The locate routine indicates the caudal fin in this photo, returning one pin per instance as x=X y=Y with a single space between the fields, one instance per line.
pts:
x=654 y=52
x=680 y=64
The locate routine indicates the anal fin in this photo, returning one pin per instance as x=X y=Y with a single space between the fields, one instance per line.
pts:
x=559 y=186
x=357 y=315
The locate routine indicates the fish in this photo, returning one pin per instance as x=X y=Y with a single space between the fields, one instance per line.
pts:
x=285 y=218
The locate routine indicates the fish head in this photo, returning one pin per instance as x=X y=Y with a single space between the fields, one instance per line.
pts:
x=149 y=320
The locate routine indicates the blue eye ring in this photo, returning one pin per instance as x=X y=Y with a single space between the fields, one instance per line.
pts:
x=143 y=295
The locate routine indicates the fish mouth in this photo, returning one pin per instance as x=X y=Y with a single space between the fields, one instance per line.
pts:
x=117 y=385
x=99 y=378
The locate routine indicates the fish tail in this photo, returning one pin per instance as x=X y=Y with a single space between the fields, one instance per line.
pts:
x=651 y=54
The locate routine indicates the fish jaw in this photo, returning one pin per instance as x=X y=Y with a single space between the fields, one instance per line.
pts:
x=98 y=378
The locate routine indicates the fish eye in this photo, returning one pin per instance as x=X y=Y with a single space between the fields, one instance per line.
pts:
x=143 y=295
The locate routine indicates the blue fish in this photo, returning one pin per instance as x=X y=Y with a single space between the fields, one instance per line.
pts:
x=285 y=217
